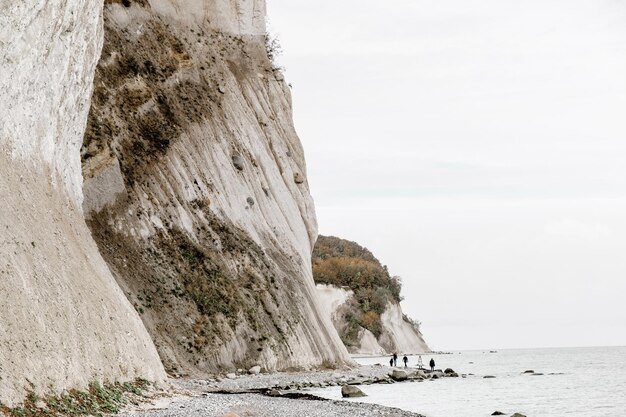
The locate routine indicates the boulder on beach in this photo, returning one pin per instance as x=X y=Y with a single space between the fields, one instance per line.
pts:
x=350 y=391
x=419 y=374
x=383 y=380
x=356 y=381
x=416 y=375
x=399 y=375
x=438 y=373
x=518 y=415
x=448 y=371
x=255 y=370
x=497 y=413
x=489 y=377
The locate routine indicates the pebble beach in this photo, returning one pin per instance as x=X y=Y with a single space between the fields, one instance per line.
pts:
x=265 y=395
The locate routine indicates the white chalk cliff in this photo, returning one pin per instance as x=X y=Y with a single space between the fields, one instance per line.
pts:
x=64 y=322
x=398 y=334
x=332 y=298
x=196 y=190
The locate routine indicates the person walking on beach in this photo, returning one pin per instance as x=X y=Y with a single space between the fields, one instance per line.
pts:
x=391 y=362
x=432 y=364
x=395 y=359
x=420 y=364
x=405 y=360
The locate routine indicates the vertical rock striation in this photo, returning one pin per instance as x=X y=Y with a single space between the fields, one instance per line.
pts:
x=195 y=188
x=64 y=321
x=399 y=334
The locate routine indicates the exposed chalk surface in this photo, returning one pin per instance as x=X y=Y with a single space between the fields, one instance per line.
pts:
x=64 y=322
x=398 y=335
x=190 y=161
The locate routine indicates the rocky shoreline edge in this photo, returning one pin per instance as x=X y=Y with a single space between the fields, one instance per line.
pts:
x=251 y=393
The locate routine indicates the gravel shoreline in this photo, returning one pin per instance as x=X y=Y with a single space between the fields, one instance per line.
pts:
x=247 y=396
x=256 y=405
x=293 y=380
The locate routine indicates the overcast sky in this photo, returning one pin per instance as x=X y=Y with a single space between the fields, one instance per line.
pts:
x=478 y=148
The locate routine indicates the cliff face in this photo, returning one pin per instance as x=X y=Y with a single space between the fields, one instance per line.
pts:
x=397 y=333
x=195 y=188
x=64 y=321
x=363 y=300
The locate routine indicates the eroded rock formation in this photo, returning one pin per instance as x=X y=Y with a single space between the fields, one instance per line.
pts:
x=64 y=322
x=398 y=334
x=363 y=300
x=196 y=192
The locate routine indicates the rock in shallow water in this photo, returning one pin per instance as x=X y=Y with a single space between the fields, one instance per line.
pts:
x=418 y=374
x=350 y=391
x=399 y=375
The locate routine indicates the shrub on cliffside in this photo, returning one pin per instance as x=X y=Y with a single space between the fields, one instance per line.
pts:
x=343 y=263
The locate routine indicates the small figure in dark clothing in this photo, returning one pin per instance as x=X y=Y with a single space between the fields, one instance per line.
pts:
x=432 y=364
x=405 y=360
x=395 y=359
x=391 y=362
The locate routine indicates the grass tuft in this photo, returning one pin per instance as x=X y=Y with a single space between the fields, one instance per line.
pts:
x=97 y=401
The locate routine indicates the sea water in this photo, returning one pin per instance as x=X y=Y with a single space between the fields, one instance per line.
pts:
x=576 y=382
